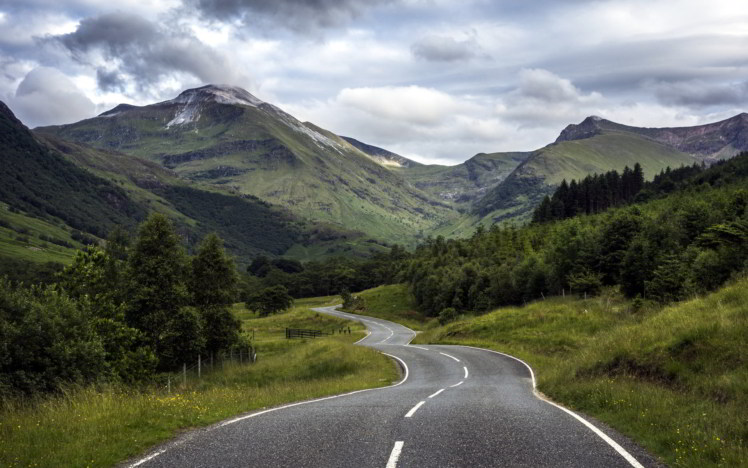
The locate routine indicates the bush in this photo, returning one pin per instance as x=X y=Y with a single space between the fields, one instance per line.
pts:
x=270 y=300
x=586 y=282
x=447 y=315
x=46 y=340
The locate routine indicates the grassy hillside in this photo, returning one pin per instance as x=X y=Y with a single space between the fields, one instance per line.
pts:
x=392 y=302
x=103 y=426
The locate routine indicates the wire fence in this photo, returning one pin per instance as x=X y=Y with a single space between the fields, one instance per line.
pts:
x=205 y=365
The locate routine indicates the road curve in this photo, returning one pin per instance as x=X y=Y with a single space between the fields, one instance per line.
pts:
x=456 y=407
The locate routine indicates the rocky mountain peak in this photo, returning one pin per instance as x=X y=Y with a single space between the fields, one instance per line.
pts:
x=222 y=94
x=587 y=128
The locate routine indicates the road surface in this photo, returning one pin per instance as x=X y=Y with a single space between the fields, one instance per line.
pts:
x=455 y=407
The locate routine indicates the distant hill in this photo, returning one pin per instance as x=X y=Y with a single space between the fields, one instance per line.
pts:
x=712 y=141
x=597 y=145
x=225 y=137
x=465 y=183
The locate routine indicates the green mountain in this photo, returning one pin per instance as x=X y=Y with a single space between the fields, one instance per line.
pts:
x=42 y=183
x=597 y=145
x=225 y=137
x=719 y=140
x=57 y=195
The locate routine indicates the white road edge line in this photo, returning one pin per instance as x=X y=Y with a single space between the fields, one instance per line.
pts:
x=621 y=451
x=457 y=384
x=414 y=409
x=466 y=372
x=148 y=458
x=291 y=405
x=362 y=339
x=395 y=455
x=449 y=356
x=436 y=393
x=419 y=347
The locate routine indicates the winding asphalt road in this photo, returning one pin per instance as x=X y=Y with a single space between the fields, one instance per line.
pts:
x=455 y=407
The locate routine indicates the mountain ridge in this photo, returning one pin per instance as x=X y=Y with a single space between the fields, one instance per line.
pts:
x=710 y=141
x=225 y=137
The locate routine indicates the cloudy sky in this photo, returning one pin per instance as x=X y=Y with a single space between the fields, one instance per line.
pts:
x=434 y=80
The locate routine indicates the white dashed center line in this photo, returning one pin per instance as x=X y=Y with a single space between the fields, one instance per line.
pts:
x=414 y=409
x=457 y=384
x=466 y=372
x=449 y=356
x=395 y=455
x=436 y=393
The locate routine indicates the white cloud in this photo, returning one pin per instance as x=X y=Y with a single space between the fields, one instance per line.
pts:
x=407 y=104
x=543 y=98
x=46 y=97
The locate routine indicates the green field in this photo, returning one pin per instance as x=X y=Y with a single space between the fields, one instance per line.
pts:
x=103 y=426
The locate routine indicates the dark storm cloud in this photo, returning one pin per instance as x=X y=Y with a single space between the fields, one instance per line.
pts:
x=444 y=49
x=626 y=66
x=116 y=33
x=138 y=50
x=700 y=94
x=109 y=80
x=298 y=15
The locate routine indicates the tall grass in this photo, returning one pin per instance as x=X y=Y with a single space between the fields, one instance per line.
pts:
x=675 y=379
x=105 y=425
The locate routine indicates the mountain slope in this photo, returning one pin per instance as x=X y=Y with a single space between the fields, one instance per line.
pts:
x=594 y=146
x=42 y=183
x=718 y=140
x=467 y=182
x=56 y=195
x=226 y=137
x=381 y=155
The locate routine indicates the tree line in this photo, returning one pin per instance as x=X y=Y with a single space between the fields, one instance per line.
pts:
x=325 y=277
x=597 y=193
x=119 y=313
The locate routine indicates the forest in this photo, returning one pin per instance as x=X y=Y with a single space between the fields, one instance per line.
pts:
x=689 y=238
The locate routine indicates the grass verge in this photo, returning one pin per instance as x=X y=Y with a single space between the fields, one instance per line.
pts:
x=674 y=379
x=102 y=426
x=392 y=302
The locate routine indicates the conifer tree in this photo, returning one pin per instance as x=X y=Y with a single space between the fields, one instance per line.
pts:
x=157 y=270
x=213 y=286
